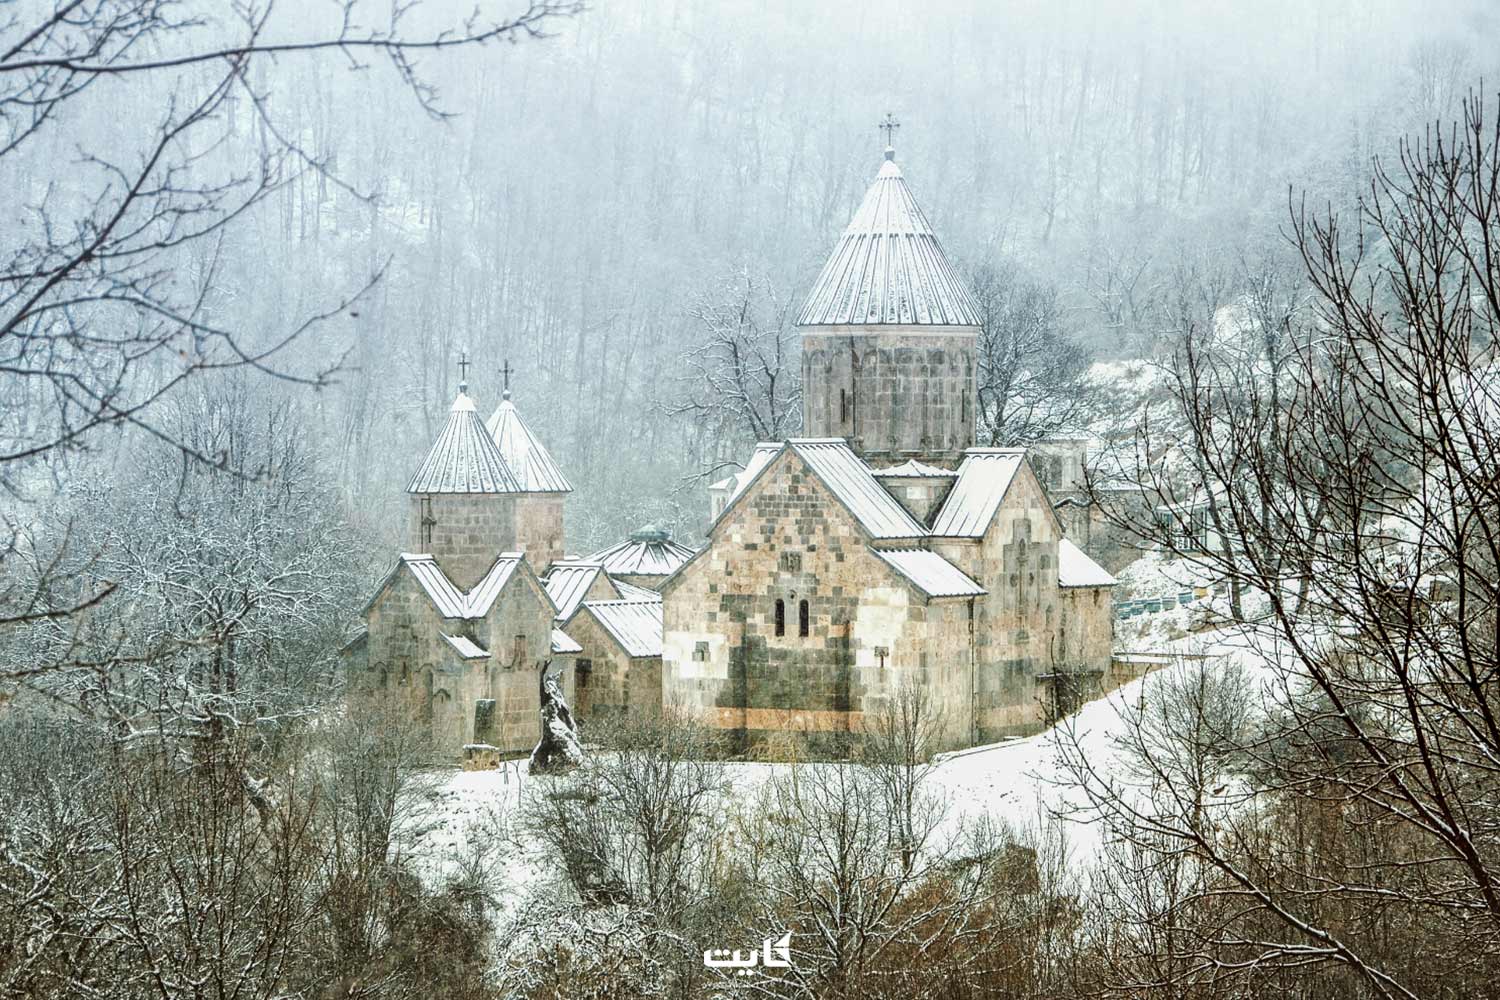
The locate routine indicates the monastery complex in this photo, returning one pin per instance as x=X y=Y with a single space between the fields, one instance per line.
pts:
x=880 y=553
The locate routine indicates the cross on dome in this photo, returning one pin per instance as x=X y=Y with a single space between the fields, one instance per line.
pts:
x=463 y=371
x=889 y=126
x=507 y=371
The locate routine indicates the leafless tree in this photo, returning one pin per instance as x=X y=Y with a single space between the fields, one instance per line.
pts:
x=742 y=381
x=1359 y=795
x=1031 y=373
x=107 y=284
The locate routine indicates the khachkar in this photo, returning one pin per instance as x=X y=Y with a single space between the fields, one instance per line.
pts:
x=889 y=334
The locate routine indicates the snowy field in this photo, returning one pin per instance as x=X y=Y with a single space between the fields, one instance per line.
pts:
x=1018 y=782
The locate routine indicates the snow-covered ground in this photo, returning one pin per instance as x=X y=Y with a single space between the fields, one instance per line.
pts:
x=1017 y=782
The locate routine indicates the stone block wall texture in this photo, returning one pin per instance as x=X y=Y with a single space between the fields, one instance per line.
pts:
x=539 y=528
x=1020 y=632
x=869 y=632
x=407 y=657
x=893 y=395
x=920 y=495
x=615 y=684
x=470 y=529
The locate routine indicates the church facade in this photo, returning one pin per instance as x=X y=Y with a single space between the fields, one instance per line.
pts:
x=881 y=552
x=884 y=551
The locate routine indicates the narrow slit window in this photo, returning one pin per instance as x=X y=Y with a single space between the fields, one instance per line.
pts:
x=802 y=619
x=780 y=617
x=427 y=522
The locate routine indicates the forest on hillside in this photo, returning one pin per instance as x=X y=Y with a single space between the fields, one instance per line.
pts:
x=245 y=248
x=586 y=204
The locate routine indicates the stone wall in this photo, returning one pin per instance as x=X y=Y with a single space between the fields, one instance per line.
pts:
x=1018 y=622
x=608 y=682
x=894 y=394
x=539 y=528
x=920 y=495
x=788 y=540
x=407 y=657
x=468 y=531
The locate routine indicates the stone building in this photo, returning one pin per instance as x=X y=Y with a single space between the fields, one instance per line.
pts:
x=885 y=551
x=881 y=552
x=460 y=626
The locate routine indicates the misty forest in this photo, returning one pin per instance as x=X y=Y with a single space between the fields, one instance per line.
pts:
x=823 y=499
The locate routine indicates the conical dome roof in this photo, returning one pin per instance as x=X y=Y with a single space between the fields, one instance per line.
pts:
x=464 y=458
x=527 y=460
x=888 y=267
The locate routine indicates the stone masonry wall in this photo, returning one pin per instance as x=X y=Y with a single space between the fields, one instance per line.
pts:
x=894 y=394
x=616 y=683
x=1017 y=622
x=539 y=528
x=789 y=540
x=469 y=531
x=408 y=658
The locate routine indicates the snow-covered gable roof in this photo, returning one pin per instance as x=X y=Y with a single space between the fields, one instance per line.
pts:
x=1076 y=569
x=984 y=476
x=734 y=483
x=569 y=582
x=912 y=469
x=528 y=461
x=630 y=592
x=888 y=267
x=464 y=458
x=465 y=647
x=931 y=573
x=635 y=625
x=647 y=552
x=562 y=642
x=446 y=597
x=849 y=479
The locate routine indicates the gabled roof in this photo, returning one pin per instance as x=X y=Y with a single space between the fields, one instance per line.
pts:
x=1076 y=569
x=569 y=582
x=635 y=625
x=647 y=552
x=912 y=469
x=464 y=458
x=562 y=642
x=849 y=479
x=759 y=459
x=984 y=476
x=630 y=592
x=931 y=573
x=528 y=461
x=888 y=267
x=465 y=647
x=446 y=597
x=484 y=593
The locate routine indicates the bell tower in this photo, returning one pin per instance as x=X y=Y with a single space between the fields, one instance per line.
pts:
x=889 y=334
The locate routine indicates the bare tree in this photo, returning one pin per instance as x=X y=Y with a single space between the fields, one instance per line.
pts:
x=1359 y=796
x=742 y=381
x=1031 y=373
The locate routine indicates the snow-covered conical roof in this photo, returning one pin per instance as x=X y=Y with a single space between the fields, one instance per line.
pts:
x=528 y=461
x=464 y=458
x=888 y=267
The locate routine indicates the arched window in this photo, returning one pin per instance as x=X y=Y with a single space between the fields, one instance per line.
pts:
x=802 y=619
x=780 y=616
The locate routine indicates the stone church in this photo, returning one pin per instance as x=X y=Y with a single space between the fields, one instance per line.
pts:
x=884 y=550
x=881 y=551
